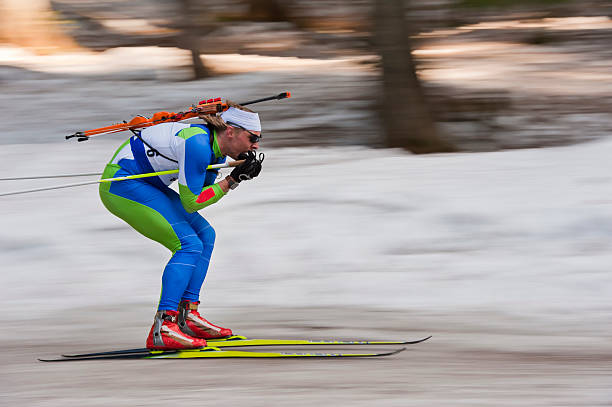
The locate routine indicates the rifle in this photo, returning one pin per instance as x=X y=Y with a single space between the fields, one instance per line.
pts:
x=209 y=106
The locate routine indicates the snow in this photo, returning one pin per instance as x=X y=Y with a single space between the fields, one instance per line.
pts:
x=503 y=257
x=523 y=232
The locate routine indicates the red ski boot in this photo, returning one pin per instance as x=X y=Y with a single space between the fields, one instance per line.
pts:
x=165 y=334
x=191 y=322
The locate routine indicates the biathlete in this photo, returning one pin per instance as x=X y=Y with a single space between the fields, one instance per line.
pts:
x=171 y=218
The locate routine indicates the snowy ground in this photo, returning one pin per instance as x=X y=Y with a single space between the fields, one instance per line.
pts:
x=503 y=257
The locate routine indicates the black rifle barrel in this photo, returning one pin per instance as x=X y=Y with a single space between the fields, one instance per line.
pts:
x=277 y=97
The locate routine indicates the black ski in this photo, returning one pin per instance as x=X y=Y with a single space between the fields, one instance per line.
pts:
x=210 y=352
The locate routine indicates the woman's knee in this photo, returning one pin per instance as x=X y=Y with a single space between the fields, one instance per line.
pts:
x=192 y=244
x=207 y=235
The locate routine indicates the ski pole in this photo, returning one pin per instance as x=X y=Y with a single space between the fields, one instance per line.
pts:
x=90 y=174
x=127 y=177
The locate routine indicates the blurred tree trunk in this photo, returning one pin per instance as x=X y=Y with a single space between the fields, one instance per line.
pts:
x=407 y=121
x=31 y=24
x=189 y=39
x=267 y=10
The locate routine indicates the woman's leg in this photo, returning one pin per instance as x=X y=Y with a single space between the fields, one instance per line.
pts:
x=151 y=212
x=189 y=319
x=206 y=234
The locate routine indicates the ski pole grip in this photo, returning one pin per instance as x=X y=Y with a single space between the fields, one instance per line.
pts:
x=235 y=163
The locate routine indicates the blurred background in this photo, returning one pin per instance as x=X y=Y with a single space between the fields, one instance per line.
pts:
x=491 y=74
x=441 y=168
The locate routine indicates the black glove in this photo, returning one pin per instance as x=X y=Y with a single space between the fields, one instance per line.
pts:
x=249 y=169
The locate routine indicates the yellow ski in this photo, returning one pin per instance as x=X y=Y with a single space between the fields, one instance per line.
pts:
x=239 y=341
x=219 y=353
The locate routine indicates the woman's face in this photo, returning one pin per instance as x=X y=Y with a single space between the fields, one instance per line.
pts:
x=240 y=141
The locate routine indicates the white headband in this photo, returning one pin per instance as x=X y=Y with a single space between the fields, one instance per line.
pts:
x=248 y=120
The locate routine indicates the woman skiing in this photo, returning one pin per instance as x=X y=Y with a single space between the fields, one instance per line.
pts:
x=171 y=218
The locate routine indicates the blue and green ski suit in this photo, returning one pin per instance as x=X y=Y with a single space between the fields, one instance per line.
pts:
x=160 y=213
